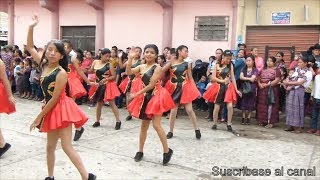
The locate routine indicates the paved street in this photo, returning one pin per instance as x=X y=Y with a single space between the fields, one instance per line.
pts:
x=109 y=153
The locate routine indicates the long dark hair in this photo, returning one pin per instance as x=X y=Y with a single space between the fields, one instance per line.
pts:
x=245 y=69
x=219 y=59
x=180 y=49
x=63 y=61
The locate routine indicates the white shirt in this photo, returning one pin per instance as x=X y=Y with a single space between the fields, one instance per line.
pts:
x=308 y=74
x=316 y=87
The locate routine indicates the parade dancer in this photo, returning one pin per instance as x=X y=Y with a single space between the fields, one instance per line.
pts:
x=151 y=101
x=223 y=91
x=7 y=104
x=126 y=84
x=75 y=74
x=59 y=111
x=107 y=89
x=182 y=88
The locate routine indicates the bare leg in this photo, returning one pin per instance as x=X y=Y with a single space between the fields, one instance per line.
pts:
x=143 y=134
x=115 y=110
x=162 y=135
x=128 y=102
x=216 y=113
x=52 y=139
x=65 y=135
x=173 y=115
x=2 y=141
x=230 y=113
x=98 y=111
x=192 y=115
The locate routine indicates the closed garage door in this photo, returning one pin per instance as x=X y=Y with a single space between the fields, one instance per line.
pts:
x=302 y=37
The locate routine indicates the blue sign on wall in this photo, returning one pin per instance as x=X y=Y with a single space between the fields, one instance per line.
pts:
x=281 y=17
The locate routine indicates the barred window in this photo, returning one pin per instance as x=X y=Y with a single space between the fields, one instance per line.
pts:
x=211 y=28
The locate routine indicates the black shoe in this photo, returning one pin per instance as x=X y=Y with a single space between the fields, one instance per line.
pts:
x=214 y=127
x=92 y=176
x=167 y=157
x=198 y=134
x=242 y=121
x=138 y=156
x=169 y=135
x=229 y=128
x=128 y=118
x=118 y=125
x=96 y=124
x=248 y=121
x=4 y=149
x=49 y=178
x=78 y=134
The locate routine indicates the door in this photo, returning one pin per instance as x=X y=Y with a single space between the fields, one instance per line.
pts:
x=81 y=37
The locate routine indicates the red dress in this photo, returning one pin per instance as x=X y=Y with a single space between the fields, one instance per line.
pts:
x=154 y=102
x=76 y=89
x=65 y=112
x=105 y=92
x=125 y=85
x=5 y=105
x=220 y=93
x=182 y=90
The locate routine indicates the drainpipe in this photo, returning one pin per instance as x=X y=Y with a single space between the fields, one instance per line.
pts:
x=240 y=22
x=53 y=7
x=234 y=22
x=258 y=12
x=11 y=22
x=98 y=5
x=167 y=6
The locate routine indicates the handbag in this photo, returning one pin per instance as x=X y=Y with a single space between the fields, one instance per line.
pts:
x=246 y=89
x=270 y=99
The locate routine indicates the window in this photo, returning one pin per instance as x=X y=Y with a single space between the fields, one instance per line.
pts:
x=211 y=28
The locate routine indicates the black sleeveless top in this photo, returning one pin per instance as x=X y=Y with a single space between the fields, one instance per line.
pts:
x=179 y=72
x=48 y=83
x=147 y=76
x=223 y=72
x=131 y=77
x=102 y=72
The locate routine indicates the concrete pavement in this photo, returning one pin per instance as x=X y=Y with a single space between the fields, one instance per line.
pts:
x=109 y=153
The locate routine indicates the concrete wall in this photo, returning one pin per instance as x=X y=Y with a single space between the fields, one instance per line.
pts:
x=184 y=12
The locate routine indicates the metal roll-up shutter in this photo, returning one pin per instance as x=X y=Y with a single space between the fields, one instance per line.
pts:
x=302 y=37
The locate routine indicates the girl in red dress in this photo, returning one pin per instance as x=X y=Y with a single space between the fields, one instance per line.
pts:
x=7 y=103
x=126 y=84
x=223 y=91
x=151 y=100
x=107 y=89
x=59 y=111
x=182 y=88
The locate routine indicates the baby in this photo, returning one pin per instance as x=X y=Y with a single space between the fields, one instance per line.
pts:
x=292 y=77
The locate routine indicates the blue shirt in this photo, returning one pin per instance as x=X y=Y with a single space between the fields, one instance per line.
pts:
x=238 y=66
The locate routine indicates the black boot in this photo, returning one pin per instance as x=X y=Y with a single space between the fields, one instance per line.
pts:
x=242 y=122
x=49 y=178
x=78 y=134
x=166 y=157
x=198 y=134
x=118 y=125
x=138 y=156
x=92 y=176
x=169 y=135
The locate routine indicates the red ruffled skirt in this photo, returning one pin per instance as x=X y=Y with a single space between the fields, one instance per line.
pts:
x=136 y=84
x=190 y=92
x=145 y=106
x=124 y=85
x=64 y=113
x=112 y=91
x=212 y=93
x=92 y=91
x=5 y=106
x=76 y=89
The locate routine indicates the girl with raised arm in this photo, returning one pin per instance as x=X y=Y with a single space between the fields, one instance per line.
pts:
x=151 y=100
x=182 y=88
x=59 y=111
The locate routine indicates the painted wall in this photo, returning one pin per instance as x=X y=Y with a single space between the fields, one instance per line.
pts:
x=267 y=7
x=132 y=23
x=24 y=10
x=184 y=12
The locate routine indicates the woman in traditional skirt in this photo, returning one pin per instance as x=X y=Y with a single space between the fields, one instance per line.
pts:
x=60 y=111
x=267 y=113
x=248 y=101
x=295 y=97
x=223 y=91
x=151 y=100
x=7 y=103
x=125 y=86
x=107 y=89
x=182 y=88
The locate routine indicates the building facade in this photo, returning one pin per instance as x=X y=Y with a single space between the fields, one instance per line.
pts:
x=202 y=25
x=278 y=25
